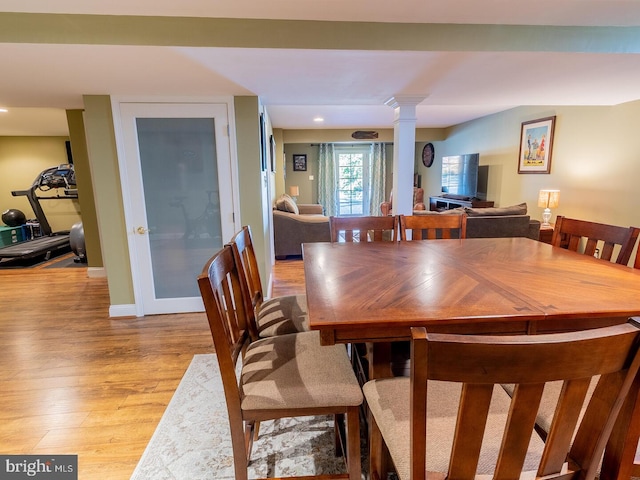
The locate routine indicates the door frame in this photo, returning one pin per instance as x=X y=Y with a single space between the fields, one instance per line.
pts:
x=116 y=101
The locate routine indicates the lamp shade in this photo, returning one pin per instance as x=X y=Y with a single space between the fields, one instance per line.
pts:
x=549 y=198
x=294 y=191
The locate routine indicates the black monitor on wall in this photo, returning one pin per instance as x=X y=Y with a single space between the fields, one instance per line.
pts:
x=483 y=182
x=460 y=176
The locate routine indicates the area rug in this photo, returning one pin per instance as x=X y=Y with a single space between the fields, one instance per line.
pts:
x=192 y=440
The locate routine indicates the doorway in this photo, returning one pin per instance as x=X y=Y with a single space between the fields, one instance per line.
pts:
x=177 y=188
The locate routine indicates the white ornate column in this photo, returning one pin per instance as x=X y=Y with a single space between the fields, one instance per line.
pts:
x=404 y=145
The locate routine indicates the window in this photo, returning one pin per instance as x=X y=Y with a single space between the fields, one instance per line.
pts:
x=353 y=175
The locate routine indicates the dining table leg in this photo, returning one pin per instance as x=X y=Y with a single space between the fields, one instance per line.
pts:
x=379 y=354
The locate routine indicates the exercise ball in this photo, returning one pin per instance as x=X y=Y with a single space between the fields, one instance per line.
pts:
x=76 y=241
x=14 y=217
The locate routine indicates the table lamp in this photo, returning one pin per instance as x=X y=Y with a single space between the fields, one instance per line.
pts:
x=294 y=191
x=548 y=199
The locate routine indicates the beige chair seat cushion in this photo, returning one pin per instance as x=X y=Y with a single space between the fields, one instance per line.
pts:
x=295 y=371
x=388 y=400
x=282 y=315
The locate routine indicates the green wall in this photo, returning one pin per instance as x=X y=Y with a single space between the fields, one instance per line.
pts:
x=21 y=161
x=103 y=158
x=75 y=119
x=108 y=194
x=306 y=142
x=252 y=181
x=594 y=164
x=312 y=34
x=309 y=187
x=595 y=152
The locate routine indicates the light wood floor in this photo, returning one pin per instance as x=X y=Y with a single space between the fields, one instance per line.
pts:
x=73 y=381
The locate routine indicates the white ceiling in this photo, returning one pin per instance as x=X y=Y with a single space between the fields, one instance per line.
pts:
x=347 y=88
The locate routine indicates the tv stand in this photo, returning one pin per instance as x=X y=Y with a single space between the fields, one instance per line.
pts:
x=438 y=204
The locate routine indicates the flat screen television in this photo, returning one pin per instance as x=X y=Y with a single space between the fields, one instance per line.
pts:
x=463 y=178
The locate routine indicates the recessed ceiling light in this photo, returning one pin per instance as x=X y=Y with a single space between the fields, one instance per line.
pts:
x=318 y=119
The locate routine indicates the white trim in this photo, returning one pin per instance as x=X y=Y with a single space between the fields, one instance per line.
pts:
x=126 y=201
x=270 y=284
x=96 y=272
x=116 y=108
x=233 y=158
x=123 y=311
x=361 y=149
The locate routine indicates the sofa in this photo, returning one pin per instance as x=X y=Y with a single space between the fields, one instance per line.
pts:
x=295 y=224
x=496 y=222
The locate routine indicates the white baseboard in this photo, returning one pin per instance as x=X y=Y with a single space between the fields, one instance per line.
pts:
x=269 y=286
x=96 y=272
x=122 y=310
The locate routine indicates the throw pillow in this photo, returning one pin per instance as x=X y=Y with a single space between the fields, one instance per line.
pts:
x=287 y=204
x=520 y=209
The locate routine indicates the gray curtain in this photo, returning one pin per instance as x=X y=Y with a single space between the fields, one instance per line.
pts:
x=377 y=178
x=327 y=181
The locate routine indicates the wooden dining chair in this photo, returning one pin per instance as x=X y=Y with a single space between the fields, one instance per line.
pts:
x=452 y=417
x=423 y=227
x=364 y=229
x=545 y=414
x=431 y=227
x=607 y=242
x=282 y=376
x=274 y=316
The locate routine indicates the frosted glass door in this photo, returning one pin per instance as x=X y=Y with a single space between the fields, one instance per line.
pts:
x=178 y=222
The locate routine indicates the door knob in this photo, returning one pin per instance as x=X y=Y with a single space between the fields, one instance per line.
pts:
x=141 y=230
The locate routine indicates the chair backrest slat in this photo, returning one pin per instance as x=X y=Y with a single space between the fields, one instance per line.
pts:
x=570 y=233
x=431 y=227
x=636 y=262
x=520 y=424
x=247 y=257
x=472 y=418
x=368 y=228
x=567 y=415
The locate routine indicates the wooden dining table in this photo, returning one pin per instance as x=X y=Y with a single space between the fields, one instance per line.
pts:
x=375 y=292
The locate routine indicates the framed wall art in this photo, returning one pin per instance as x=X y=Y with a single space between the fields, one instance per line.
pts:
x=272 y=152
x=263 y=144
x=299 y=163
x=536 y=145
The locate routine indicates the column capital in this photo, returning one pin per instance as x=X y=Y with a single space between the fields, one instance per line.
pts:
x=405 y=100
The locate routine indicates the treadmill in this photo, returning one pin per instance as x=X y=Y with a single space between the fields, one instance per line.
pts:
x=62 y=179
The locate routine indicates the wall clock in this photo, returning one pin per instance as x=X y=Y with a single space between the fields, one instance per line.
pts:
x=428 y=154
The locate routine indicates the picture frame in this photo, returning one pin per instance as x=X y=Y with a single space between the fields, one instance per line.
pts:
x=299 y=163
x=272 y=150
x=536 y=145
x=263 y=144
